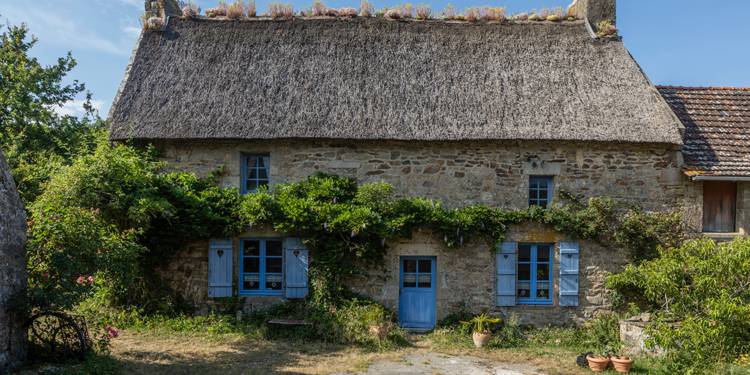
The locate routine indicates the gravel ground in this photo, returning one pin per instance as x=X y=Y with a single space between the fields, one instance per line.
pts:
x=425 y=362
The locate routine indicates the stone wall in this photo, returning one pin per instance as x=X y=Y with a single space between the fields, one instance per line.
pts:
x=458 y=173
x=466 y=277
x=12 y=270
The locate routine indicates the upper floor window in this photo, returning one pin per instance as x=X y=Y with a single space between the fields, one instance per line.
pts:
x=255 y=172
x=719 y=206
x=261 y=267
x=540 y=191
x=534 y=276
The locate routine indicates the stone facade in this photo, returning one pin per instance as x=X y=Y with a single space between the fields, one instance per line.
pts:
x=12 y=270
x=458 y=174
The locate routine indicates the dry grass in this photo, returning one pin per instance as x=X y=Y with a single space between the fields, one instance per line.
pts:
x=159 y=354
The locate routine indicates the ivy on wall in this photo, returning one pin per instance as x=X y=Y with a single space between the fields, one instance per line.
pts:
x=106 y=222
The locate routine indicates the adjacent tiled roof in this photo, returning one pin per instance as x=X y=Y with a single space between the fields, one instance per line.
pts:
x=717 y=128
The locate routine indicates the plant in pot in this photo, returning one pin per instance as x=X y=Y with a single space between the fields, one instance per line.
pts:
x=622 y=363
x=598 y=362
x=481 y=328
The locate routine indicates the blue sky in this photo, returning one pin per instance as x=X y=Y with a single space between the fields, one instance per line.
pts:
x=677 y=42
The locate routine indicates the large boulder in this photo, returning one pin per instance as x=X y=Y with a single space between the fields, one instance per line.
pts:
x=12 y=271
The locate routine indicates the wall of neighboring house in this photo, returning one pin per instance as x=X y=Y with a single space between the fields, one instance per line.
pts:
x=458 y=173
x=693 y=206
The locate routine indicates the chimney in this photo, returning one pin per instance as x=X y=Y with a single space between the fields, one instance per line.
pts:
x=162 y=8
x=594 y=11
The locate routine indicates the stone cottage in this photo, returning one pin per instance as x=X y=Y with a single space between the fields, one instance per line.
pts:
x=500 y=113
x=12 y=270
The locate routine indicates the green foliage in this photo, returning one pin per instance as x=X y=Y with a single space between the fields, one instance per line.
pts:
x=104 y=222
x=700 y=296
x=602 y=334
x=35 y=139
x=482 y=323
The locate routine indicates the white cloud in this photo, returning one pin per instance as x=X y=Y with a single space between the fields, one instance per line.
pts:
x=75 y=107
x=52 y=27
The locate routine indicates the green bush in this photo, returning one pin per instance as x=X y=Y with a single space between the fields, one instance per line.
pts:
x=701 y=286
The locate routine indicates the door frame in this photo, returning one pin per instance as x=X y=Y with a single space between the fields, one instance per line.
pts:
x=432 y=290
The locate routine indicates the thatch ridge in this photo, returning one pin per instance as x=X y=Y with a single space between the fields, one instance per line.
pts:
x=367 y=78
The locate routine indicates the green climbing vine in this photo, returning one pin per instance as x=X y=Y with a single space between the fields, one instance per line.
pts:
x=348 y=226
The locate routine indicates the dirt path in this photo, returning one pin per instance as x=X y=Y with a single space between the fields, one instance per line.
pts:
x=147 y=354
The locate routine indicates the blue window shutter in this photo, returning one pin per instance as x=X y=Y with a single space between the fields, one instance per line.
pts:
x=569 y=255
x=296 y=262
x=506 y=274
x=220 y=268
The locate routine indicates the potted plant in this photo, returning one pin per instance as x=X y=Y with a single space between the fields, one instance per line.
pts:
x=481 y=328
x=597 y=362
x=622 y=363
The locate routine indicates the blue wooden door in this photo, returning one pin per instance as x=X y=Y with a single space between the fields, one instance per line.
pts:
x=417 y=292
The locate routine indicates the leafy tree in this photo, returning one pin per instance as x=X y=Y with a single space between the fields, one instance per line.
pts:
x=33 y=136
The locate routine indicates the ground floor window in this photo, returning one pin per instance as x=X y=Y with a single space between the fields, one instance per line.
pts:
x=261 y=267
x=534 y=274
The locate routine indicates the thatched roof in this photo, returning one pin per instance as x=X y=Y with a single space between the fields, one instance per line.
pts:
x=378 y=79
x=717 y=128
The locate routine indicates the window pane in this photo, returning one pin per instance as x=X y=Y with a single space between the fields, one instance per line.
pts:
x=252 y=281
x=523 y=290
x=533 y=183
x=524 y=272
x=425 y=280
x=273 y=248
x=542 y=253
x=410 y=265
x=533 y=195
x=262 y=183
x=542 y=271
x=262 y=162
x=542 y=290
x=273 y=281
x=252 y=174
x=262 y=174
x=273 y=265
x=524 y=253
x=251 y=265
x=252 y=248
x=251 y=162
x=410 y=280
x=251 y=185
x=425 y=266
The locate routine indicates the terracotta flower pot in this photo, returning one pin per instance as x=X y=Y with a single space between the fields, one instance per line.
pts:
x=622 y=363
x=597 y=363
x=481 y=338
x=380 y=331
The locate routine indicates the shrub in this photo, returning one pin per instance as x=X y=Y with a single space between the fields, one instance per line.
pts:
x=472 y=14
x=347 y=12
x=251 y=9
x=393 y=14
x=521 y=17
x=701 y=285
x=190 y=10
x=423 y=12
x=366 y=9
x=493 y=14
x=407 y=11
x=278 y=10
x=236 y=10
x=318 y=8
x=449 y=12
x=154 y=23
x=605 y=28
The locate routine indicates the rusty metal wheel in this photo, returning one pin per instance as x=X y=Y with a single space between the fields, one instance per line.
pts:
x=57 y=336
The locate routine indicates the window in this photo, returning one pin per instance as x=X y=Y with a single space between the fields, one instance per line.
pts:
x=417 y=273
x=261 y=269
x=255 y=172
x=534 y=276
x=719 y=206
x=540 y=191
